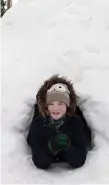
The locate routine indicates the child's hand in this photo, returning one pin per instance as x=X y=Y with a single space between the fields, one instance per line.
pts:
x=59 y=143
x=63 y=141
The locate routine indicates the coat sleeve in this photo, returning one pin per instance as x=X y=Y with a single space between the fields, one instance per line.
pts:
x=76 y=155
x=40 y=152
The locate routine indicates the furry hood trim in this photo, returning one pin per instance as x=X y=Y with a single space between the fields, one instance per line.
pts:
x=41 y=95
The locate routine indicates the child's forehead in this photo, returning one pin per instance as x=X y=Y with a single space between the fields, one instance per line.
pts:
x=57 y=102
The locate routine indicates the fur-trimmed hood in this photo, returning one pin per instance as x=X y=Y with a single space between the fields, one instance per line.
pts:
x=41 y=95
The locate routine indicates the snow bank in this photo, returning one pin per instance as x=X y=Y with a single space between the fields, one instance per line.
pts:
x=40 y=39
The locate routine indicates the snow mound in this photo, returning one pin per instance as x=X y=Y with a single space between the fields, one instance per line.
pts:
x=41 y=39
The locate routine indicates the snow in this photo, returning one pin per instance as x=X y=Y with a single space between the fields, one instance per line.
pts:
x=14 y=2
x=39 y=39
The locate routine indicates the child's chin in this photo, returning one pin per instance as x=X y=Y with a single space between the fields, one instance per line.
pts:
x=56 y=117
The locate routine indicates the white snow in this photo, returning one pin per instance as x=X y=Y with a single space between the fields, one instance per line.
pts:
x=41 y=38
x=14 y=2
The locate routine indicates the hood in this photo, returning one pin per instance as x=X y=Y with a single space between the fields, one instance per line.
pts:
x=41 y=95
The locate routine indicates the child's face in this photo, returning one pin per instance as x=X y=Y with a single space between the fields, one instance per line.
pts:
x=57 y=109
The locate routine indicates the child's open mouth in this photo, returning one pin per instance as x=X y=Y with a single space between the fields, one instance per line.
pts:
x=55 y=113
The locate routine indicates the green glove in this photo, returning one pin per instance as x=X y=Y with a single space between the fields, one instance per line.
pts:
x=59 y=143
x=63 y=142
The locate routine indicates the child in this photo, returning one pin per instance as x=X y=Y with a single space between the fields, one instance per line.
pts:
x=58 y=134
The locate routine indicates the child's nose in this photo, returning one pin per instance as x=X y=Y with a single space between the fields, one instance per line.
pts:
x=55 y=107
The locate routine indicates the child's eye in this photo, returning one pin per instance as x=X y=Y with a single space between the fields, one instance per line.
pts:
x=61 y=103
x=50 y=104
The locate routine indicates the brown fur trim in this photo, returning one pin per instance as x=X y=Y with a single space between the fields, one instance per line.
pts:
x=41 y=95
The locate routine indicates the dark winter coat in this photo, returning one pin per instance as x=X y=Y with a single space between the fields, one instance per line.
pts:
x=75 y=126
x=41 y=133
